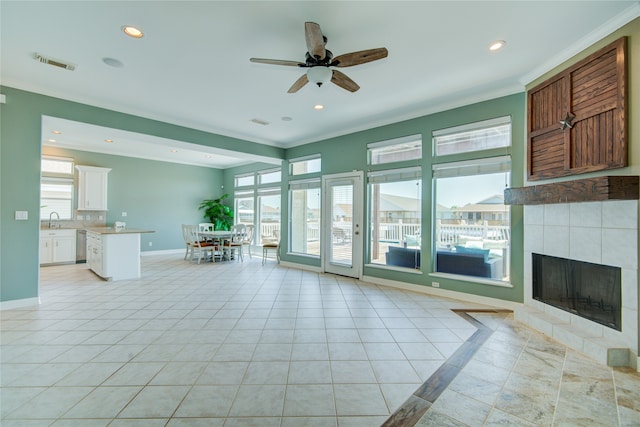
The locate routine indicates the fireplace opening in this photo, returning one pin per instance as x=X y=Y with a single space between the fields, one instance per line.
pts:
x=592 y=291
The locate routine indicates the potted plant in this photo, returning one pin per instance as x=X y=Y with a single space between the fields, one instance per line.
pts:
x=219 y=214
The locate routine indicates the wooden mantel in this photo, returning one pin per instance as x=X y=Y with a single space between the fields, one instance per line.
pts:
x=582 y=190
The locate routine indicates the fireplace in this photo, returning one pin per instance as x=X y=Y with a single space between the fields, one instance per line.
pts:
x=598 y=232
x=588 y=290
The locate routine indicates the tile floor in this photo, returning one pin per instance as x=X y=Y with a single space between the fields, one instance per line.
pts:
x=245 y=344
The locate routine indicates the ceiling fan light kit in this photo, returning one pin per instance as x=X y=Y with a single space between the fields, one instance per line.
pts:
x=319 y=75
x=318 y=60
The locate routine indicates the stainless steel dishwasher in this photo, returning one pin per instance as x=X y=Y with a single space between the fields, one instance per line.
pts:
x=81 y=246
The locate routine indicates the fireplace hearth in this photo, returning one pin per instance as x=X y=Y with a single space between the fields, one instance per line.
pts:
x=588 y=290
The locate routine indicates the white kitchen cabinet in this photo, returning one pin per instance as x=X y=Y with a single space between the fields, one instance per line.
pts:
x=92 y=188
x=57 y=246
x=114 y=255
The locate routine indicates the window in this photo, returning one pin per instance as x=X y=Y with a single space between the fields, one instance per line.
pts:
x=259 y=204
x=304 y=214
x=269 y=213
x=395 y=150
x=494 y=133
x=471 y=225
x=269 y=177
x=395 y=208
x=244 y=207
x=56 y=187
x=245 y=180
x=305 y=165
x=395 y=217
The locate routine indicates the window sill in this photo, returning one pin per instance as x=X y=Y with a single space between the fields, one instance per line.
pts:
x=394 y=268
x=472 y=279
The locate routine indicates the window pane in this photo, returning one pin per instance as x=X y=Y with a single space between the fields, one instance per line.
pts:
x=305 y=221
x=395 y=153
x=305 y=166
x=52 y=166
x=396 y=223
x=269 y=177
x=243 y=180
x=244 y=209
x=269 y=226
x=474 y=140
x=56 y=196
x=472 y=230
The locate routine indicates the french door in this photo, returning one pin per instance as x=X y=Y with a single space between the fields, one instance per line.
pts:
x=342 y=198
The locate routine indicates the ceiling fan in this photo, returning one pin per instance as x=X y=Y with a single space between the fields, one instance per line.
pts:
x=319 y=61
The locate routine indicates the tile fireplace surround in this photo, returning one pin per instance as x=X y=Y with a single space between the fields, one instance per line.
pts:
x=597 y=232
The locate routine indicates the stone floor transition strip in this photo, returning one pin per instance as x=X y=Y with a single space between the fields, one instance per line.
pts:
x=421 y=400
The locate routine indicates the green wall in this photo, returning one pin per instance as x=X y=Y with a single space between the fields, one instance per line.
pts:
x=20 y=151
x=155 y=195
x=349 y=152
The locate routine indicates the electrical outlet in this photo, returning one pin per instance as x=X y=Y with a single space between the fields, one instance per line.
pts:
x=80 y=217
x=124 y=214
x=435 y=284
x=150 y=243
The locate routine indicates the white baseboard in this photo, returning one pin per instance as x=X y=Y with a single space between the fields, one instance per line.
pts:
x=162 y=252
x=445 y=293
x=304 y=267
x=471 y=298
x=19 y=303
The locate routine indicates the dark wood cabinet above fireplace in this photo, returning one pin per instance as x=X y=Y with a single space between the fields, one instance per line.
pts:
x=577 y=119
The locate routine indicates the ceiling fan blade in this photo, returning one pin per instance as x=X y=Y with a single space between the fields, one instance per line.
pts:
x=299 y=84
x=277 y=62
x=315 y=40
x=360 y=57
x=343 y=81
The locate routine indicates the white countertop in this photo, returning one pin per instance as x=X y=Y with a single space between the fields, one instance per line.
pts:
x=112 y=230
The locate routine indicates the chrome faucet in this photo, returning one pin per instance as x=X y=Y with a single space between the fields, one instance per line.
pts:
x=50 y=220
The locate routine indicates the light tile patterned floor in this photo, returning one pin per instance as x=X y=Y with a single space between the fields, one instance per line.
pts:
x=246 y=344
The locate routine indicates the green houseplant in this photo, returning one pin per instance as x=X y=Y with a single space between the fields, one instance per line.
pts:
x=219 y=214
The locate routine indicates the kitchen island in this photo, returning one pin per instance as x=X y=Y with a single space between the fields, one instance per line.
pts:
x=114 y=254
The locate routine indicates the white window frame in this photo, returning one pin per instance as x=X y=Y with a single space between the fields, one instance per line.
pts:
x=373 y=146
x=297 y=160
x=304 y=184
x=471 y=127
x=58 y=178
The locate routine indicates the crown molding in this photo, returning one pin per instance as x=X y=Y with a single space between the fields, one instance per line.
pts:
x=599 y=33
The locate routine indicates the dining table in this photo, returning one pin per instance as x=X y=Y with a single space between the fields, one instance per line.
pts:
x=220 y=235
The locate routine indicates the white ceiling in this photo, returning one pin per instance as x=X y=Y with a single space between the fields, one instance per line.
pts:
x=192 y=66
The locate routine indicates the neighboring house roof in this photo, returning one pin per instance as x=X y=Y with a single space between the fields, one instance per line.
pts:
x=390 y=202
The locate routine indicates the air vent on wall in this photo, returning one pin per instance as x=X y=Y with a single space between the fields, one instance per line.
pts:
x=54 y=62
x=260 y=122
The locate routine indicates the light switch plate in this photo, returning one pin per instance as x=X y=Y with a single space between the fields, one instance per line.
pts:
x=22 y=215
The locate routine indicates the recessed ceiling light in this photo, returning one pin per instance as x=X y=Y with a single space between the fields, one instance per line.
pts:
x=286 y=119
x=496 y=45
x=56 y=132
x=174 y=151
x=51 y=140
x=108 y=140
x=132 y=31
x=318 y=107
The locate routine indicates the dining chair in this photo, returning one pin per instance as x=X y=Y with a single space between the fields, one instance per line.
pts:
x=199 y=248
x=271 y=244
x=235 y=243
x=187 y=240
x=248 y=238
x=205 y=226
